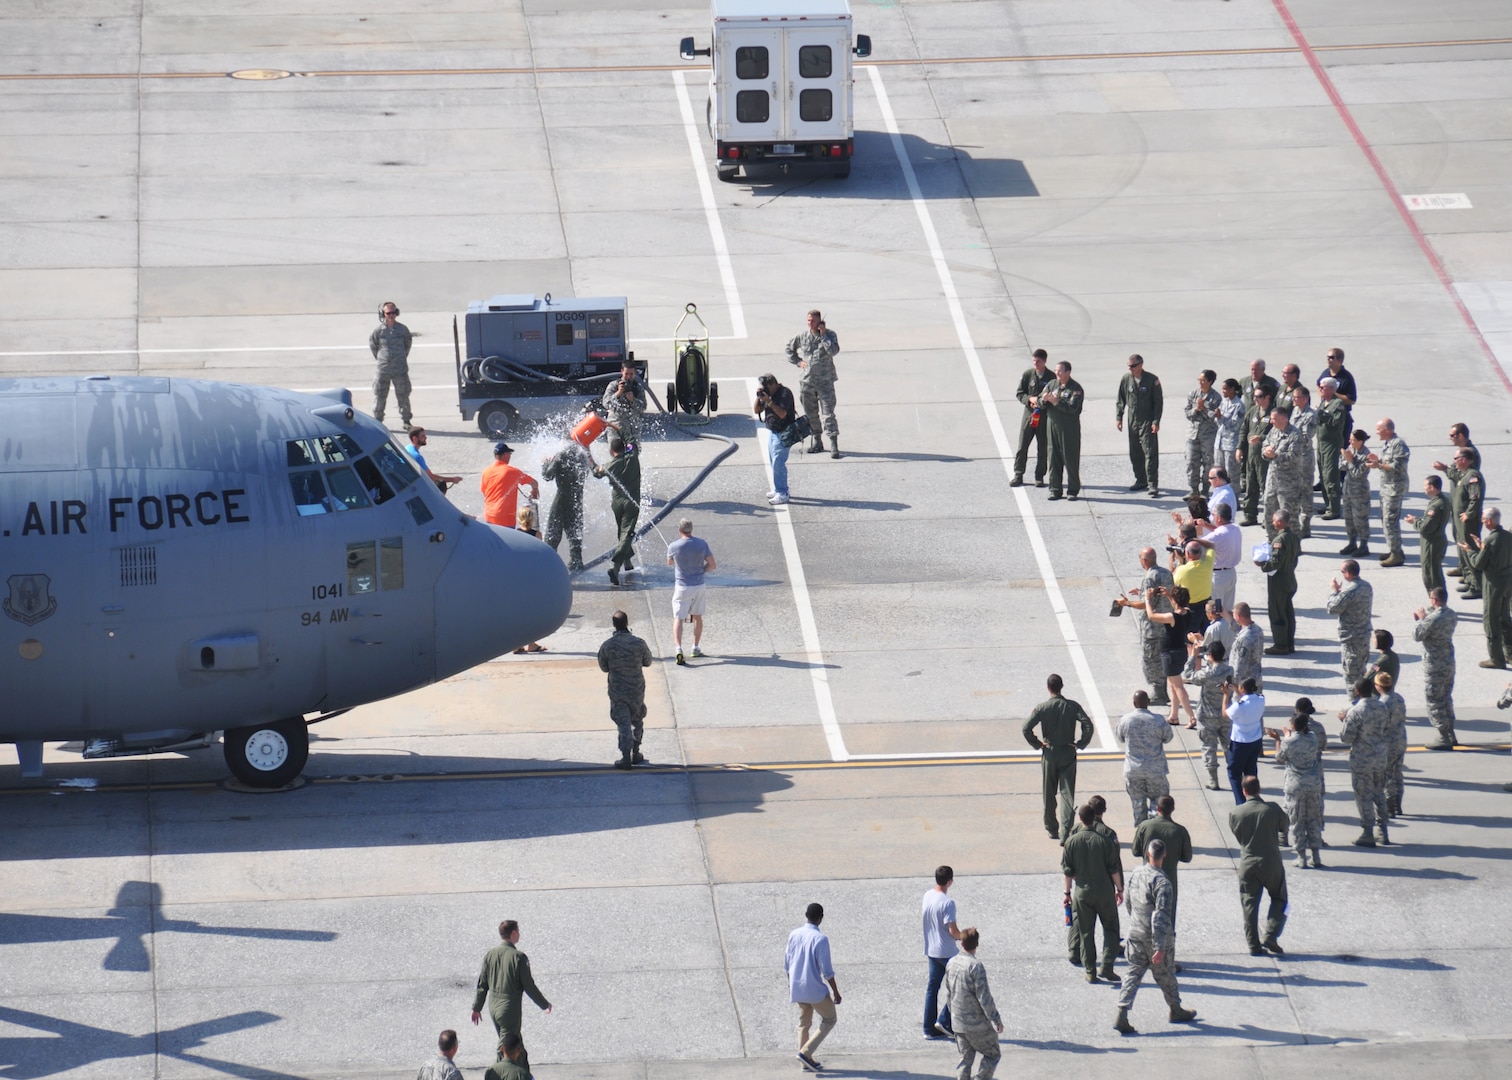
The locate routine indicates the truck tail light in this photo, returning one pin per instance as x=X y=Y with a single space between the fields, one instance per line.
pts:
x=834 y=151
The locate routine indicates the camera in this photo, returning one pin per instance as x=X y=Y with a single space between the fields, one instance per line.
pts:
x=1176 y=549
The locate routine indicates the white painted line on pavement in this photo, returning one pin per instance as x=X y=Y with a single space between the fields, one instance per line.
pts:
x=302 y=348
x=1094 y=704
x=818 y=673
x=711 y=212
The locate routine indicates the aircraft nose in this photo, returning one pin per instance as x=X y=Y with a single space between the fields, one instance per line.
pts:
x=500 y=590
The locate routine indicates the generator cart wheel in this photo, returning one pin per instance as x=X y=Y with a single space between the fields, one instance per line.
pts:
x=714 y=397
x=495 y=418
x=268 y=755
x=672 y=397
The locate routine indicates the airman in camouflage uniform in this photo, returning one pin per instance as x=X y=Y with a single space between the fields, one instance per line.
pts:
x=1151 y=904
x=1396 y=745
x=390 y=344
x=1354 y=463
x=1248 y=653
x=1435 y=631
x=1332 y=424
x=1351 y=603
x=624 y=401
x=622 y=657
x=813 y=353
x=1152 y=634
x=1213 y=726
x=1367 y=725
x=1283 y=448
x=1305 y=419
x=1144 y=736
x=1301 y=755
x=1203 y=408
x=1392 y=463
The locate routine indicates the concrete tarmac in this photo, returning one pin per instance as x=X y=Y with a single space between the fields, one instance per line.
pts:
x=1200 y=183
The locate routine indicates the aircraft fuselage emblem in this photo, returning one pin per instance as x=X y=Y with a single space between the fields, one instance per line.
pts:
x=30 y=599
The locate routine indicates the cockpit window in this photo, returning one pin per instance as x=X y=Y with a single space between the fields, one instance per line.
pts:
x=309 y=492
x=397 y=466
x=377 y=485
x=346 y=492
x=323 y=450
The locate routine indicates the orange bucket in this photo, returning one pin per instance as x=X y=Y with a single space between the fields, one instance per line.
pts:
x=590 y=427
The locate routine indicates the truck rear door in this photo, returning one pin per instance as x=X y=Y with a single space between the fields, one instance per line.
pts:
x=817 y=77
x=754 y=110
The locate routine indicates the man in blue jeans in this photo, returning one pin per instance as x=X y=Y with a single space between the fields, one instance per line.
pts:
x=1246 y=715
x=940 y=937
x=774 y=405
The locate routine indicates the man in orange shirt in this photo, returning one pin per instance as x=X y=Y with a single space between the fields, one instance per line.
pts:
x=501 y=488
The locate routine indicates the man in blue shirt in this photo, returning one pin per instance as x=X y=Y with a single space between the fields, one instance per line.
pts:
x=808 y=970
x=1247 y=717
x=692 y=559
x=418 y=439
x=940 y=936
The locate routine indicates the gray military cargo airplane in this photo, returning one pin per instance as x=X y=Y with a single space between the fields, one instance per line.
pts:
x=181 y=560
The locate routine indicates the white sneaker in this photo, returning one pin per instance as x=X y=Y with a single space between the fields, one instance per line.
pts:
x=770 y=496
x=778 y=500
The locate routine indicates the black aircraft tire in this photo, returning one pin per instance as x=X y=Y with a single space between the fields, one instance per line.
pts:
x=496 y=418
x=267 y=755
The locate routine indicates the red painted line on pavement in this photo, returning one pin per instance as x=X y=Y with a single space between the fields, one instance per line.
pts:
x=1391 y=189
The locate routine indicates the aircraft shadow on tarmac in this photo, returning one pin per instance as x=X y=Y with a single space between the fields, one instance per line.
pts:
x=128 y=922
x=77 y=1045
x=943 y=172
x=403 y=800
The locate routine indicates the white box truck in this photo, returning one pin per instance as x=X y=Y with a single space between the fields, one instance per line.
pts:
x=781 y=87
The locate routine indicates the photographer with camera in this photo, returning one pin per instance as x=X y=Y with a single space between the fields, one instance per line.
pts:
x=774 y=405
x=625 y=402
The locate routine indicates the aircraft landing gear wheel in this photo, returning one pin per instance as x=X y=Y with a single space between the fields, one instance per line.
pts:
x=713 y=397
x=672 y=397
x=495 y=418
x=268 y=755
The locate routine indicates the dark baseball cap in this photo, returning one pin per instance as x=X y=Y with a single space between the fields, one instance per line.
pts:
x=502 y=447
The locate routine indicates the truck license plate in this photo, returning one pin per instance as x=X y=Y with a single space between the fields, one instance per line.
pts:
x=783 y=148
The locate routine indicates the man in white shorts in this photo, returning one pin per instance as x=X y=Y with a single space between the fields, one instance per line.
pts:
x=691 y=559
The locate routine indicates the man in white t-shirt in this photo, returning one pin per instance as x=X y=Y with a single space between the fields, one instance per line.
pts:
x=940 y=937
x=692 y=559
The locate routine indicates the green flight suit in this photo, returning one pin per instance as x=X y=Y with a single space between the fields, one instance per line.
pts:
x=1280 y=587
x=1331 y=433
x=1178 y=844
x=508 y=1070
x=624 y=472
x=1030 y=384
x=1058 y=720
x=1493 y=565
x=1064 y=415
x=1092 y=861
x=1466 y=502
x=505 y=981
x=1432 y=543
x=1256 y=423
x=1145 y=402
x=1073 y=932
x=1258 y=826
